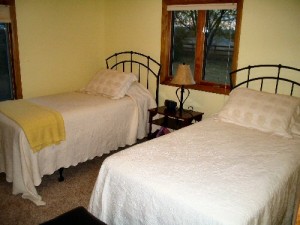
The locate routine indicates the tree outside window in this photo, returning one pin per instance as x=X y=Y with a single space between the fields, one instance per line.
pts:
x=207 y=40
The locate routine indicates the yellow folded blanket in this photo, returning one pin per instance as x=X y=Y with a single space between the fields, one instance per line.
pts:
x=41 y=125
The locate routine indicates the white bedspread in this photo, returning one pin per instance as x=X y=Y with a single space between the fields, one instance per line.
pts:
x=210 y=173
x=94 y=125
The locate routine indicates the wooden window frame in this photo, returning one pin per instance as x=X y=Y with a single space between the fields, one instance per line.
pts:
x=17 y=84
x=165 y=76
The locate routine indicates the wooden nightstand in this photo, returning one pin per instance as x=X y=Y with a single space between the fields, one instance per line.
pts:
x=172 y=119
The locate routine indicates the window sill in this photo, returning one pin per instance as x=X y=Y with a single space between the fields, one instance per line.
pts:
x=205 y=86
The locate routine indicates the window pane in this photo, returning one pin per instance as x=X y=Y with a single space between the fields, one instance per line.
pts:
x=219 y=45
x=184 y=39
x=5 y=64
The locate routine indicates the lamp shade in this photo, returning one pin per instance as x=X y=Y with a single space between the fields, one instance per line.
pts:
x=183 y=75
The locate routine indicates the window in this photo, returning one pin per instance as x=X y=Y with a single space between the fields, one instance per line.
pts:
x=6 y=88
x=10 y=80
x=203 y=34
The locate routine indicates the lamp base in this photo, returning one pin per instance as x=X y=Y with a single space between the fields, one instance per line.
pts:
x=181 y=100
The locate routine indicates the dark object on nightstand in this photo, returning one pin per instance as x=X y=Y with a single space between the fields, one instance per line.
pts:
x=173 y=120
x=77 y=216
x=170 y=105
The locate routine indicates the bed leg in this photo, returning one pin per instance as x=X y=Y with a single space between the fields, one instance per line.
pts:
x=61 y=177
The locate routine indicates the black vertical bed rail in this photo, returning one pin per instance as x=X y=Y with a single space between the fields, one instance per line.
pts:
x=262 y=78
x=261 y=84
x=139 y=73
x=278 y=76
x=292 y=89
x=116 y=61
x=131 y=62
x=248 y=76
x=129 y=58
x=148 y=58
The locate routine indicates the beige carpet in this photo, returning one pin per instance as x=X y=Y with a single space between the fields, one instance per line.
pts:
x=59 y=196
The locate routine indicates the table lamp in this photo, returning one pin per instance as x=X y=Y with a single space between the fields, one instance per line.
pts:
x=183 y=77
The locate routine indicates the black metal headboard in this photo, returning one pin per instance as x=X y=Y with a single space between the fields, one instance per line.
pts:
x=137 y=63
x=277 y=77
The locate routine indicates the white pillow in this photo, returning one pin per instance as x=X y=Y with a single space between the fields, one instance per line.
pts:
x=295 y=124
x=110 y=83
x=260 y=110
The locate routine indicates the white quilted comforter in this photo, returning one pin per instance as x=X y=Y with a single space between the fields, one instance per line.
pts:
x=94 y=125
x=210 y=173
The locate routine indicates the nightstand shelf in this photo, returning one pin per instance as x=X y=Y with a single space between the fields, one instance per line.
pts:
x=172 y=119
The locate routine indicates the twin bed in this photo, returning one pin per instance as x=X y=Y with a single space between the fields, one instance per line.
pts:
x=108 y=113
x=241 y=166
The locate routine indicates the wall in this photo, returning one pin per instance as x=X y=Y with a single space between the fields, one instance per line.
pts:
x=61 y=44
x=133 y=25
x=269 y=34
